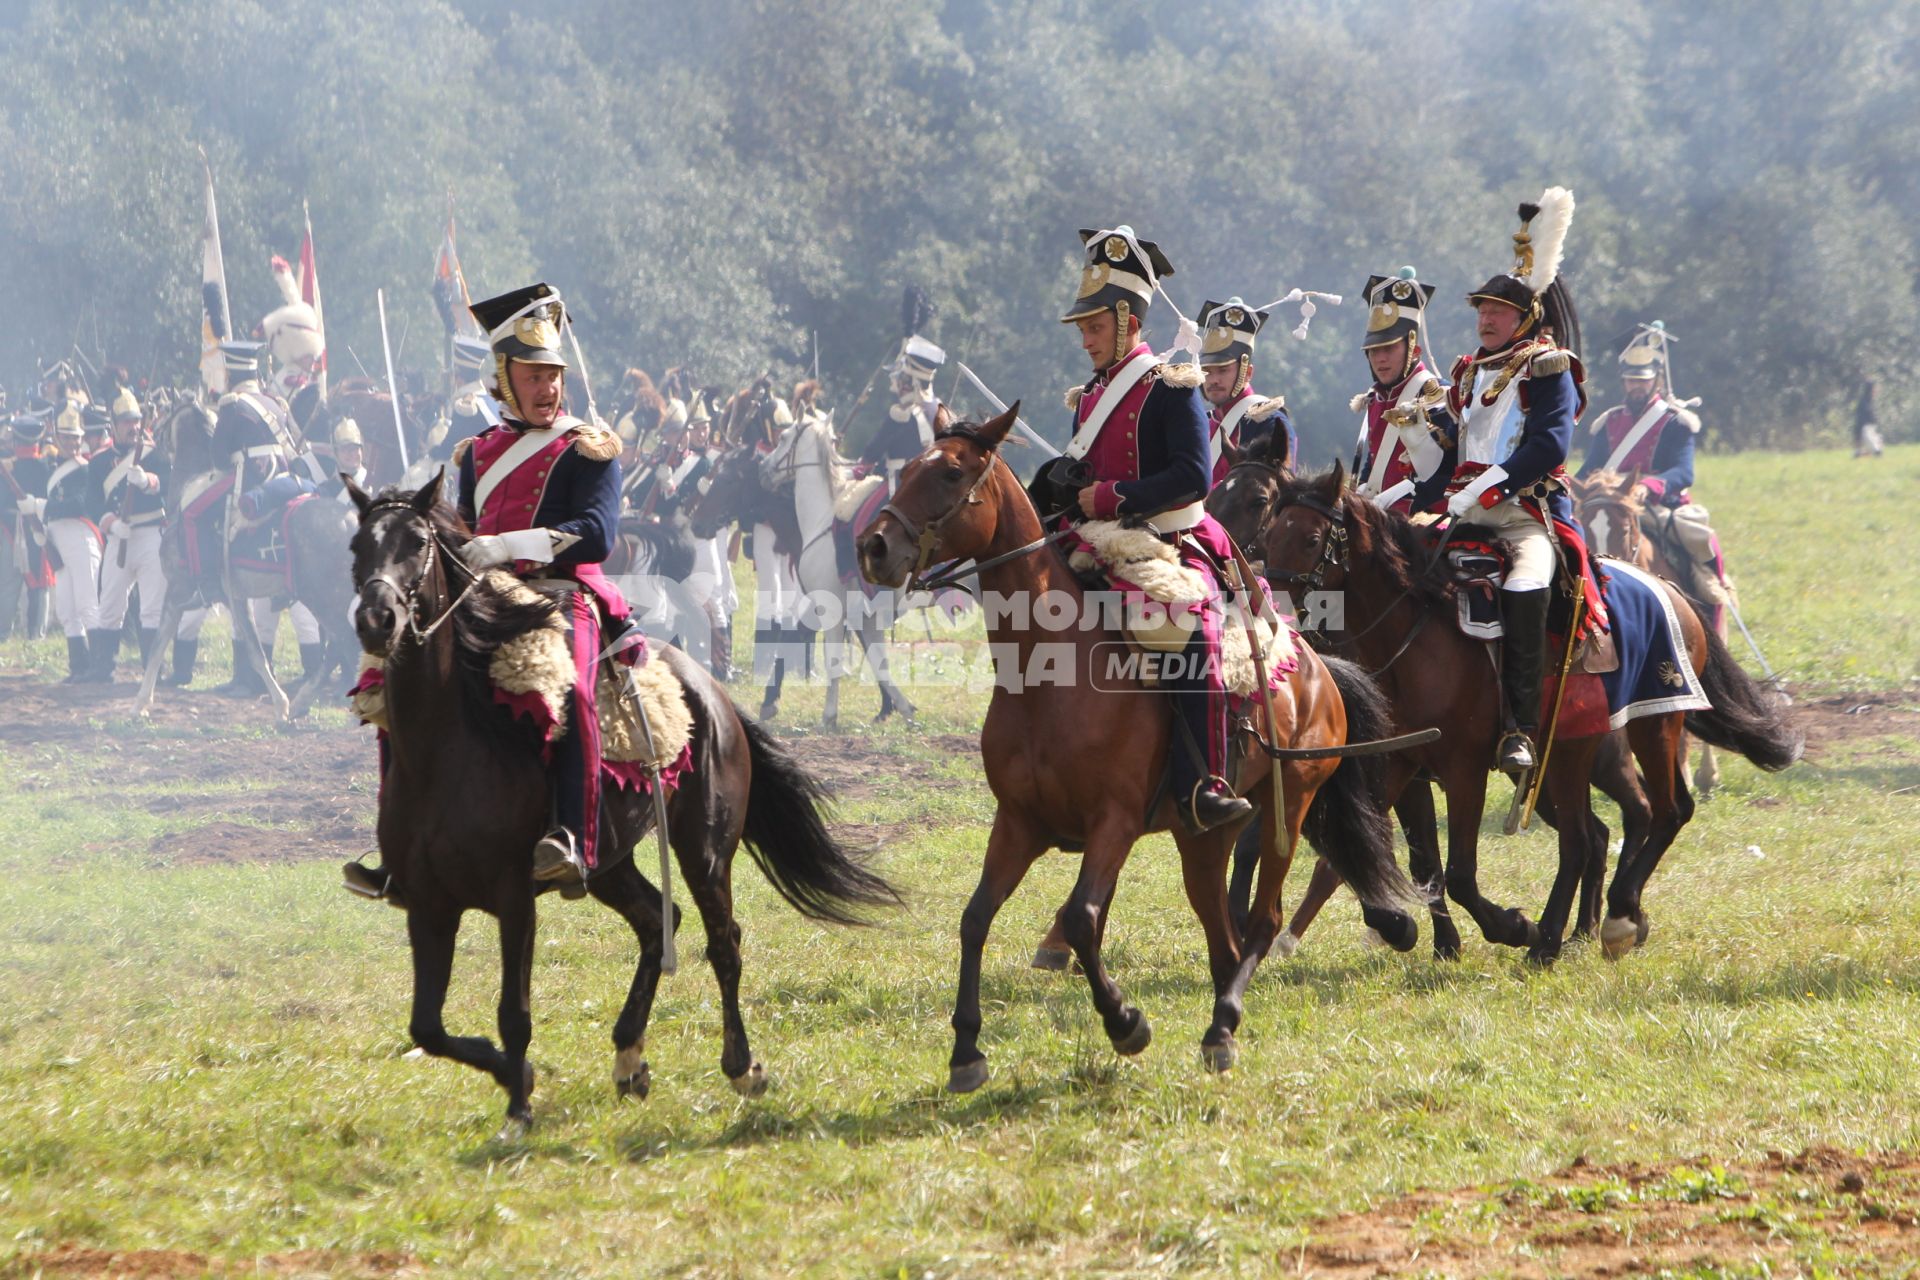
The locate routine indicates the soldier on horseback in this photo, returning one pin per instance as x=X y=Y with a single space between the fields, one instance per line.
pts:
x=1139 y=455
x=1404 y=428
x=1237 y=417
x=909 y=425
x=1514 y=403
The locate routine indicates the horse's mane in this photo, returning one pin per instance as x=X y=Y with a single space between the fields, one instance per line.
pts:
x=1394 y=544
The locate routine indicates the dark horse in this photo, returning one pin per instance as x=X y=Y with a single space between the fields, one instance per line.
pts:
x=1400 y=620
x=1075 y=765
x=317 y=532
x=465 y=797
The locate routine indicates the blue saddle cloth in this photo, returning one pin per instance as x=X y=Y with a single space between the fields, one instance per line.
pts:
x=1654 y=676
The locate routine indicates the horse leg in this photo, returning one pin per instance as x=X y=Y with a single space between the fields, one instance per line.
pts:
x=709 y=874
x=1203 y=864
x=1569 y=777
x=1246 y=861
x=163 y=645
x=625 y=890
x=1081 y=919
x=430 y=936
x=1657 y=745
x=1012 y=846
x=257 y=653
x=1421 y=828
x=873 y=642
x=1466 y=789
x=515 y=1014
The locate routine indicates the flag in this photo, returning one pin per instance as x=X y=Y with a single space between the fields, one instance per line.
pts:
x=310 y=294
x=216 y=323
x=450 y=290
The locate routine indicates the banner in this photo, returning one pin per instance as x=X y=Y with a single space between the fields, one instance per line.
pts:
x=216 y=323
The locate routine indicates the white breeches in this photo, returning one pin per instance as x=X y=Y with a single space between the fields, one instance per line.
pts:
x=779 y=590
x=1529 y=543
x=142 y=569
x=76 y=587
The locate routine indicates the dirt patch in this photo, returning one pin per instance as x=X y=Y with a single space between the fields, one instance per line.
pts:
x=1632 y=1220
x=163 y=1264
x=1853 y=716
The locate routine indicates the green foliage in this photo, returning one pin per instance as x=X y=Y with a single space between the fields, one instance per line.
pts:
x=716 y=183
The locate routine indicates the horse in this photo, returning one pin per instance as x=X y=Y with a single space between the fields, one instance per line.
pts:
x=465 y=797
x=1314 y=532
x=1611 y=512
x=317 y=533
x=1076 y=766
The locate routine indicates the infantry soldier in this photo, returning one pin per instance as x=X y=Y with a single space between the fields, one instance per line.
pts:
x=75 y=539
x=1237 y=417
x=1139 y=451
x=130 y=483
x=1650 y=438
x=1404 y=432
x=1514 y=403
x=908 y=428
x=349 y=460
x=23 y=531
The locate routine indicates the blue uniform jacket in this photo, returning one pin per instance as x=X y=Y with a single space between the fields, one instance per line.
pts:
x=1672 y=459
x=1172 y=467
x=582 y=498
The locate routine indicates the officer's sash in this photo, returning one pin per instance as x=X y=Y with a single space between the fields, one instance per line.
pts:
x=1648 y=421
x=1123 y=381
x=528 y=445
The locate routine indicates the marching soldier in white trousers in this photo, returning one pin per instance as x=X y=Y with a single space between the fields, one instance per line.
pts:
x=130 y=484
x=76 y=540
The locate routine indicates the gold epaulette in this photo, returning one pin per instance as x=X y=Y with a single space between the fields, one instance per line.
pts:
x=1548 y=363
x=1359 y=403
x=1073 y=397
x=1520 y=363
x=596 y=443
x=1182 y=374
x=1266 y=408
x=461 y=450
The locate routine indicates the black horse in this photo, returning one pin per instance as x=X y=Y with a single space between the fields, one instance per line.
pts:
x=464 y=798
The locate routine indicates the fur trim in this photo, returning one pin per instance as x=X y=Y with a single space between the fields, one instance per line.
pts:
x=1181 y=374
x=1265 y=409
x=461 y=450
x=1073 y=397
x=1139 y=556
x=846 y=505
x=1688 y=419
x=1549 y=234
x=659 y=690
x=596 y=443
x=537 y=662
x=1236 y=655
x=1359 y=403
x=370 y=703
x=1548 y=363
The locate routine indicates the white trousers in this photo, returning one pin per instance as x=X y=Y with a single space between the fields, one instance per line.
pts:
x=779 y=590
x=142 y=569
x=1529 y=543
x=76 y=588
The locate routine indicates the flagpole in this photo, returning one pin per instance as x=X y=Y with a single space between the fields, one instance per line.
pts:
x=319 y=312
x=393 y=387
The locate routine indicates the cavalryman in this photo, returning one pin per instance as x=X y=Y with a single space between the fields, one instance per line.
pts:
x=75 y=539
x=130 y=483
x=1237 y=416
x=252 y=435
x=1141 y=444
x=908 y=428
x=23 y=532
x=349 y=459
x=1404 y=428
x=1514 y=403
x=1651 y=438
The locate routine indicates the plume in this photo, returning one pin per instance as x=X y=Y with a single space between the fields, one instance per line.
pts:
x=916 y=310
x=1549 y=231
x=283 y=279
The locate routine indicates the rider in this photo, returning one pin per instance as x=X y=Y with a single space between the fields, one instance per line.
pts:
x=909 y=425
x=253 y=436
x=1140 y=445
x=129 y=479
x=1236 y=415
x=1651 y=438
x=1514 y=403
x=1404 y=428
x=541 y=492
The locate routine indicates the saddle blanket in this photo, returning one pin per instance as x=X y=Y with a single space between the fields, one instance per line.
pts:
x=1655 y=676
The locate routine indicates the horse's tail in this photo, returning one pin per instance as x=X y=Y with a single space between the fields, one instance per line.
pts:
x=1347 y=821
x=1746 y=716
x=789 y=839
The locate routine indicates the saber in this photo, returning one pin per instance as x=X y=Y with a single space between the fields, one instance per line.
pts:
x=1741 y=622
x=586 y=385
x=1242 y=576
x=1520 y=816
x=393 y=387
x=1027 y=433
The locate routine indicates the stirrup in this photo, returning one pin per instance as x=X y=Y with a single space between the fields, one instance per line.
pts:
x=1226 y=807
x=556 y=857
x=1515 y=754
x=375 y=883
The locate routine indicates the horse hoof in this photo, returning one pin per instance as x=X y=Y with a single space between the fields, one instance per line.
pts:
x=1533 y=936
x=1542 y=957
x=768 y=710
x=1618 y=935
x=1640 y=934
x=1286 y=944
x=965 y=1077
x=1051 y=959
x=514 y=1130
x=1396 y=929
x=1372 y=940
x=1136 y=1040
x=1219 y=1058
x=631 y=1076
x=752 y=1082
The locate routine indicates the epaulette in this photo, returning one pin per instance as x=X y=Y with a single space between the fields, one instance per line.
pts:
x=461 y=450
x=1548 y=363
x=1182 y=374
x=1688 y=419
x=1266 y=409
x=1359 y=403
x=1073 y=397
x=596 y=443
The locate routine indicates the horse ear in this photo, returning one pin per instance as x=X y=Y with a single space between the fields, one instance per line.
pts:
x=942 y=419
x=361 y=498
x=993 y=432
x=429 y=493
x=1231 y=452
x=1336 y=482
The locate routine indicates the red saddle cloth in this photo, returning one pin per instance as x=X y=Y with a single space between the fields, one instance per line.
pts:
x=1584 y=712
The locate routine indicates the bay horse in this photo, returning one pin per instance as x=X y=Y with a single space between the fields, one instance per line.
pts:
x=464 y=798
x=1076 y=766
x=1400 y=616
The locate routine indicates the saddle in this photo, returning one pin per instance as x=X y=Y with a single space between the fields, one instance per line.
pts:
x=1476 y=572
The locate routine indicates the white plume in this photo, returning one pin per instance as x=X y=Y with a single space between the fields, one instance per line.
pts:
x=1549 y=233
x=283 y=280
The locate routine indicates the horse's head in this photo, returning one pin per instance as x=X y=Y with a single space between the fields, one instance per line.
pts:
x=186 y=437
x=937 y=513
x=732 y=493
x=1609 y=505
x=1307 y=531
x=395 y=560
x=1243 y=501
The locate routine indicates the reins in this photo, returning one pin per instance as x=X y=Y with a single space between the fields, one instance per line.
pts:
x=408 y=598
x=928 y=536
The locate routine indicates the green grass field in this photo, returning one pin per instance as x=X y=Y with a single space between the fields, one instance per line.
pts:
x=209 y=1055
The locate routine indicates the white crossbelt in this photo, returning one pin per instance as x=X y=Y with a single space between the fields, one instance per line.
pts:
x=529 y=443
x=1229 y=422
x=1123 y=381
x=1648 y=420
x=1405 y=436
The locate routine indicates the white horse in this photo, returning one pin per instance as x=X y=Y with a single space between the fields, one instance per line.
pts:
x=805 y=461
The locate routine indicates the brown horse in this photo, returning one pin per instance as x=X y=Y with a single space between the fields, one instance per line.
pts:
x=1079 y=766
x=464 y=796
x=1398 y=611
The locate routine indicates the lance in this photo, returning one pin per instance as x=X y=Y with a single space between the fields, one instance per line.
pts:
x=1027 y=433
x=393 y=387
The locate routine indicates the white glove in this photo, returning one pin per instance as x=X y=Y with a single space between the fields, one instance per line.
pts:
x=110 y=526
x=485 y=552
x=489 y=550
x=143 y=481
x=1469 y=498
x=1392 y=494
x=35 y=507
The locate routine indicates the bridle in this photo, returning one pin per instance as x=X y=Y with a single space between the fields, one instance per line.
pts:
x=407 y=599
x=1632 y=537
x=928 y=536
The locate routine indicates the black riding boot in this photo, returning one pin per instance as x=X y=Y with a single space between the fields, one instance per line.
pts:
x=185 y=654
x=79 y=661
x=37 y=602
x=104 y=647
x=311 y=656
x=245 y=682
x=1523 y=618
x=1202 y=797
